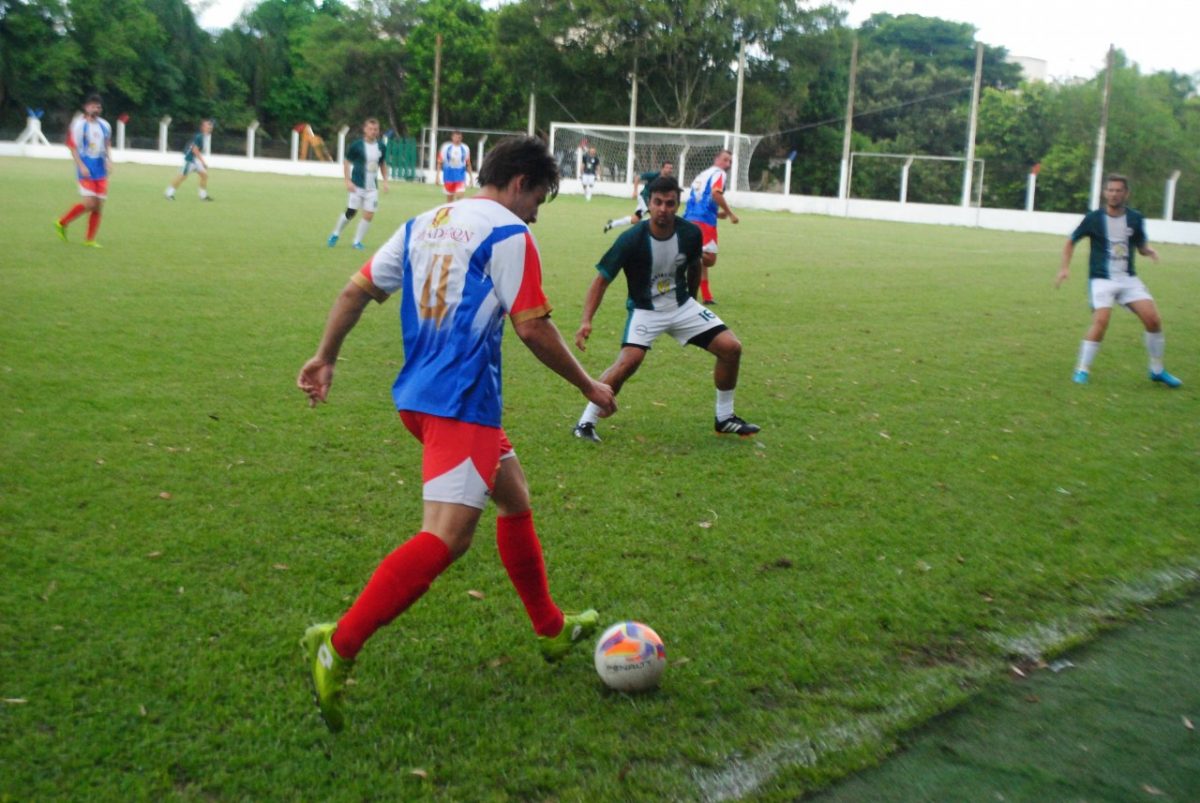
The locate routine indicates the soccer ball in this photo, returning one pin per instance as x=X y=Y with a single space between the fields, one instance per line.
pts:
x=630 y=657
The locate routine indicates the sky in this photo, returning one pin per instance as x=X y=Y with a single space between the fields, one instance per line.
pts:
x=1072 y=36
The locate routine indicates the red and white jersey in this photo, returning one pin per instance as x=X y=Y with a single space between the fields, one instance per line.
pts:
x=462 y=268
x=702 y=207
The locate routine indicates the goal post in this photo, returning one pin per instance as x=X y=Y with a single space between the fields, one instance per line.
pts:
x=626 y=152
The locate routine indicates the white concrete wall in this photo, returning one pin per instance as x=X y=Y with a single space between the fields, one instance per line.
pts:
x=1058 y=223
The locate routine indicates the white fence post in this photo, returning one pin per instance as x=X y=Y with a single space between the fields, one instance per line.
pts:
x=1169 y=201
x=1031 y=187
x=295 y=145
x=120 y=134
x=250 y=132
x=163 y=125
x=342 y=143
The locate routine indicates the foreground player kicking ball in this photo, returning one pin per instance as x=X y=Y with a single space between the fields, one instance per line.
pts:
x=463 y=268
x=661 y=260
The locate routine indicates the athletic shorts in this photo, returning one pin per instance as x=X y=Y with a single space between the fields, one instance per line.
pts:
x=588 y=179
x=193 y=166
x=689 y=323
x=1104 y=293
x=460 y=459
x=366 y=200
x=94 y=187
x=708 y=234
x=455 y=187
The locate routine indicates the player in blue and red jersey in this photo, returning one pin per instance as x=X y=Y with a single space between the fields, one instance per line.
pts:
x=454 y=167
x=90 y=142
x=707 y=203
x=462 y=269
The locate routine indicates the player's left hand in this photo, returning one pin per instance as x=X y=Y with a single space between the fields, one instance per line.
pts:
x=733 y=218
x=1063 y=275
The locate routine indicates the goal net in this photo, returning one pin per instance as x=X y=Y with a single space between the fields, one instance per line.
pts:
x=626 y=152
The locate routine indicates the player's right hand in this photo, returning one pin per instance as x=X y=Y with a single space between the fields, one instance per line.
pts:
x=581 y=335
x=603 y=397
x=1062 y=277
x=315 y=379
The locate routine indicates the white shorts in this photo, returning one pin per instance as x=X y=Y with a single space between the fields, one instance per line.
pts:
x=366 y=200
x=193 y=166
x=683 y=323
x=1104 y=293
x=641 y=207
x=588 y=179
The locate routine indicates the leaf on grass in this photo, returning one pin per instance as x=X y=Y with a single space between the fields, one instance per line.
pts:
x=473 y=594
x=155 y=554
x=142 y=710
x=1016 y=670
x=1151 y=790
x=704 y=524
x=885 y=436
x=420 y=773
x=1032 y=698
x=281 y=567
x=99 y=461
x=679 y=661
x=165 y=495
x=1064 y=492
x=50 y=589
x=624 y=771
x=923 y=566
x=498 y=662
x=1187 y=723
x=15 y=700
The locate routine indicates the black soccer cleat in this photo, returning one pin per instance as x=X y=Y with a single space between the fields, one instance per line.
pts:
x=735 y=426
x=587 y=432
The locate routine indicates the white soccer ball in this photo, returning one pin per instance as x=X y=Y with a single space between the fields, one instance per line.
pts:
x=630 y=657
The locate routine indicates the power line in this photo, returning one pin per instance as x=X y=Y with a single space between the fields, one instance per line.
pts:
x=840 y=119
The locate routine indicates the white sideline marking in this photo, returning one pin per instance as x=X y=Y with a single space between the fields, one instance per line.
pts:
x=741 y=776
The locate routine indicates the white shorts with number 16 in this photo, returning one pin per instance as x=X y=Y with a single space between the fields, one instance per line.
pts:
x=682 y=323
x=1105 y=293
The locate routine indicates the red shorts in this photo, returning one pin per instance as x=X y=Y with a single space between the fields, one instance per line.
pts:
x=460 y=459
x=708 y=235
x=96 y=187
x=455 y=187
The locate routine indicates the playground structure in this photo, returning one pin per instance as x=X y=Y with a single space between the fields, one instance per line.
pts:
x=309 y=139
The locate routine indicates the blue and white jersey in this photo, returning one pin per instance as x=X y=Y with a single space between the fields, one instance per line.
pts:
x=454 y=160
x=462 y=268
x=702 y=208
x=90 y=139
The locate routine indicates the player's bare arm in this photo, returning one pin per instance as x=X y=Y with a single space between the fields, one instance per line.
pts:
x=542 y=337
x=1064 y=270
x=591 y=303
x=316 y=376
x=1148 y=251
x=719 y=197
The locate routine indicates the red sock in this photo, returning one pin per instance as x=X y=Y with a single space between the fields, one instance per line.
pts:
x=705 y=293
x=521 y=554
x=397 y=583
x=76 y=211
x=93 y=224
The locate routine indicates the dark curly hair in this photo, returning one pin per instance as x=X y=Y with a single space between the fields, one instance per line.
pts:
x=520 y=156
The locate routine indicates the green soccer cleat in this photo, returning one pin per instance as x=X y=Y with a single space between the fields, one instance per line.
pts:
x=576 y=628
x=330 y=672
x=92 y=244
x=62 y=231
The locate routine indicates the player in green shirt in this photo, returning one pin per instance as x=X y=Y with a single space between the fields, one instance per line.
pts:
x=365 y=170
x=193 y=162
x=661 y=260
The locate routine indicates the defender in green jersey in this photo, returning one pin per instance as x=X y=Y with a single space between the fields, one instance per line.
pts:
x=661 y=258
x=643 y=197
x=365 y=170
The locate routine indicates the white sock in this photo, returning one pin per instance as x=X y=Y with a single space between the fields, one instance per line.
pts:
x=170 y=191
x=341 y=224
x=621 y=221
x=724 y=404
x=203 y=194
x=591 y=414
x=1156 y=344
x=363 y=225
x=1087 y=352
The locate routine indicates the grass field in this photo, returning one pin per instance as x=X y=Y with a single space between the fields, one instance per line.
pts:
x=929 y=497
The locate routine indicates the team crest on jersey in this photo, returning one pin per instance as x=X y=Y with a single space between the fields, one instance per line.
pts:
x=440 y=217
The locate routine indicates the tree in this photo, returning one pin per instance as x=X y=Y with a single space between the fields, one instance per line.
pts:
x=38 y=60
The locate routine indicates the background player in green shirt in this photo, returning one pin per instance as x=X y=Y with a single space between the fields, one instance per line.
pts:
x=364 y=162
x=643 y=198
x=193 y=162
